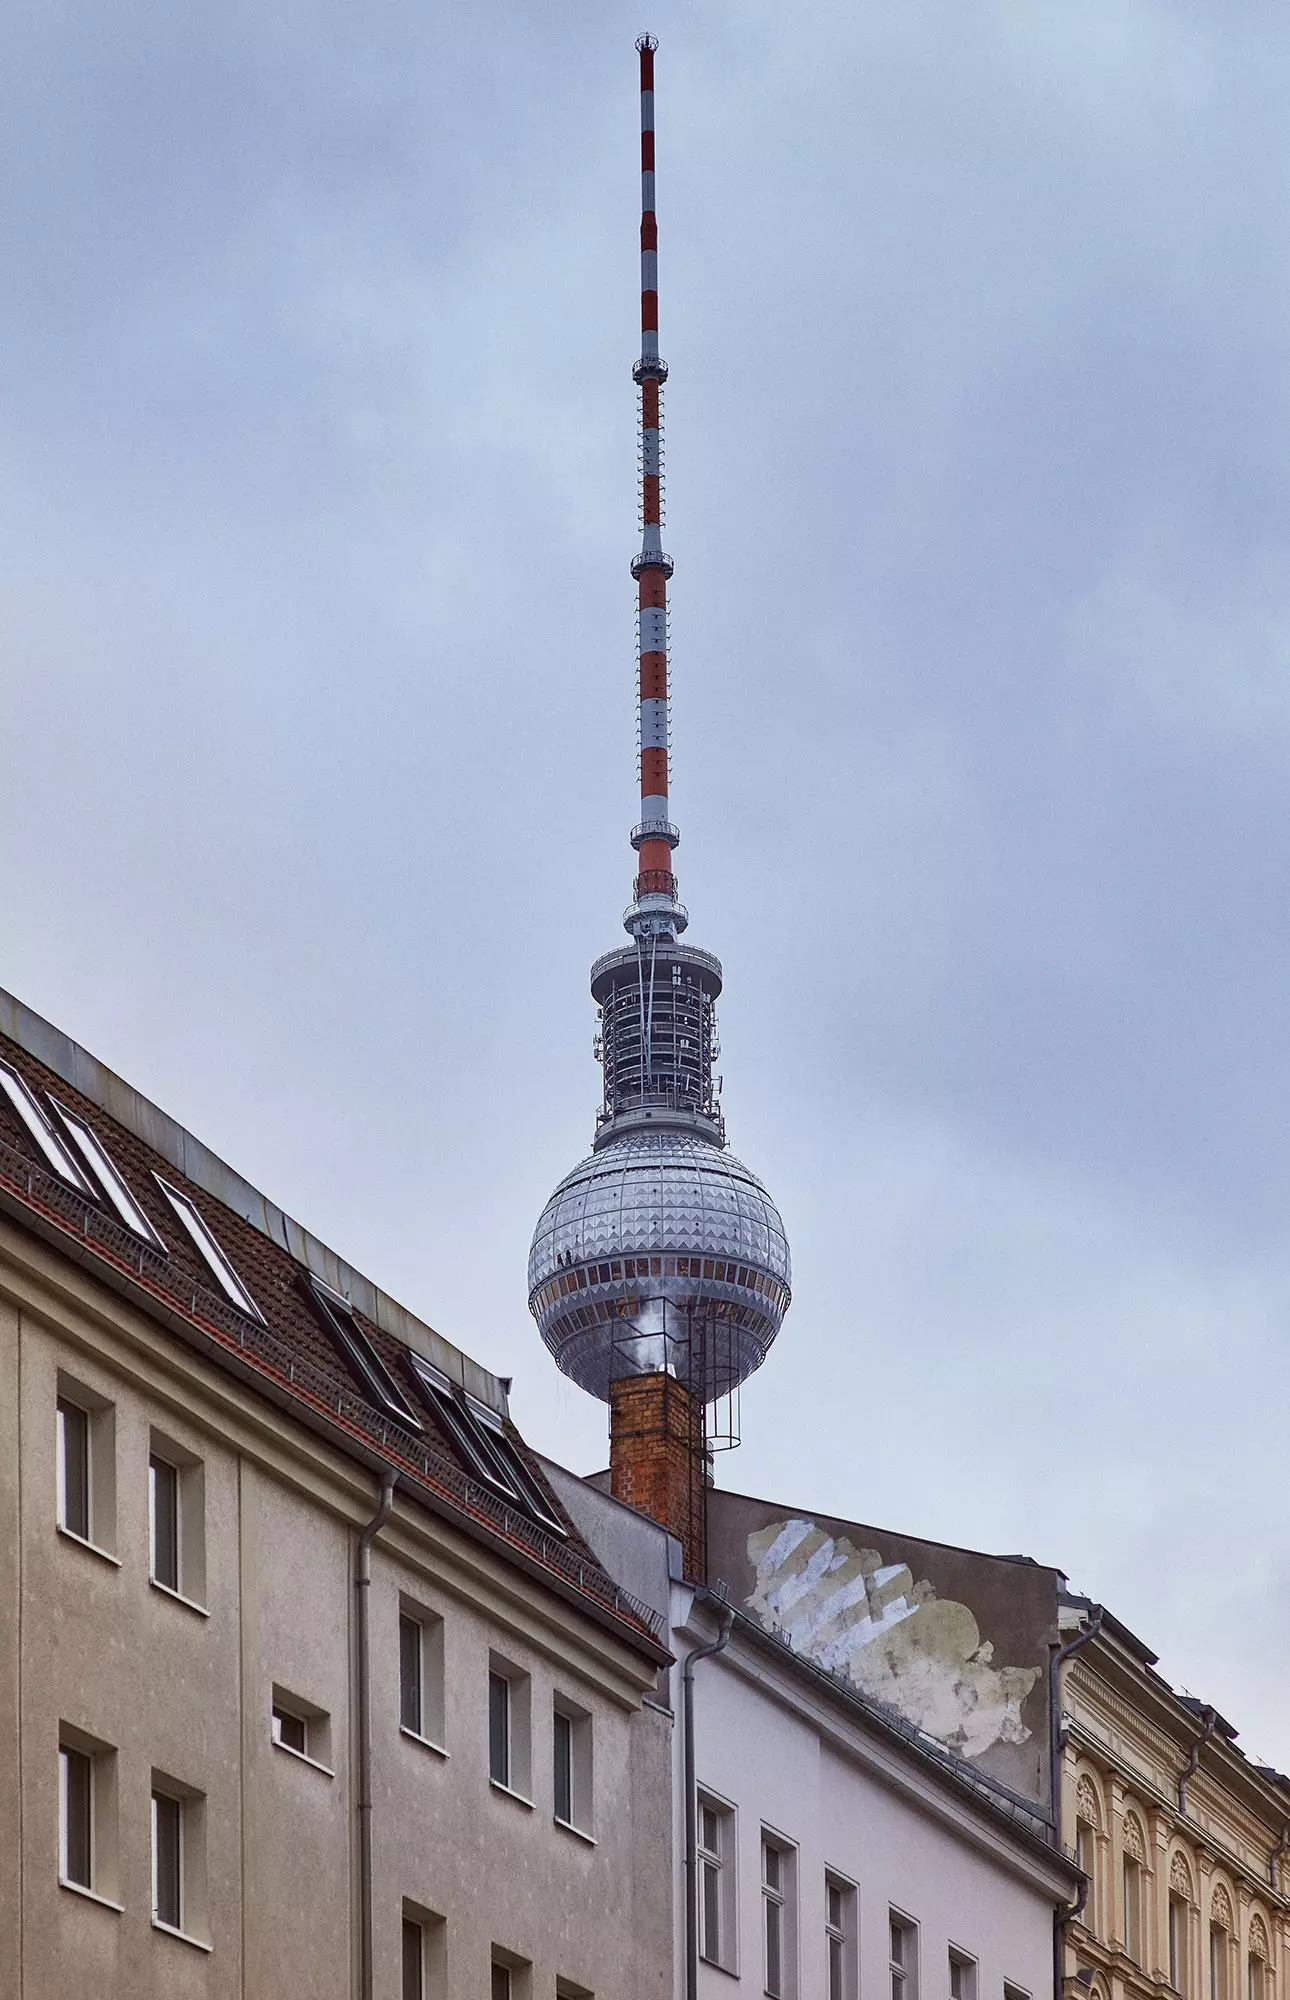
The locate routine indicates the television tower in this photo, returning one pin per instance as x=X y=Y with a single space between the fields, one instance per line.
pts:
x=659 y=1272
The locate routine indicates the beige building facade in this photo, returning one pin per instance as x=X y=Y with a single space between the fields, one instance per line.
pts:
x=1183 y=1840
x=187 y=1639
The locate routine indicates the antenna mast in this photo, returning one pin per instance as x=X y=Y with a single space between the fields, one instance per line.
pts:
x=655 y=912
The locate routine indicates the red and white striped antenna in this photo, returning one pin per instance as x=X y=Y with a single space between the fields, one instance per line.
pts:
x=656 y=911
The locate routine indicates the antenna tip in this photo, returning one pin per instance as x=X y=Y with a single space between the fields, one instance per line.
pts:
x=647 y=42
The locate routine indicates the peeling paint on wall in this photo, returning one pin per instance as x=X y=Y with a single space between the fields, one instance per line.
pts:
x=893 y=1638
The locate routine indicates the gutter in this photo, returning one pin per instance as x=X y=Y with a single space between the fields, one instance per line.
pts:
x=727 y=1617
x=1193 y=1762
x=1064 y=1913
x=362 y=1588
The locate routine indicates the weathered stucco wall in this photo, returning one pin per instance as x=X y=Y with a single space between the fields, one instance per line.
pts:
x=955 y=1642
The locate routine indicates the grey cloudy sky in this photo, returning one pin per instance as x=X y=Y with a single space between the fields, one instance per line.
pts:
x=317 y=468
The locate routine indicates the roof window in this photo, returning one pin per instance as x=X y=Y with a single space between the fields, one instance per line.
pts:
x=480 y=1437
x=339 y=1320
x=52 y=1150
x=209 y=1250
x=104 y=1170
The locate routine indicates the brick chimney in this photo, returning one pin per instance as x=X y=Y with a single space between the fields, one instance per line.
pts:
x=657 y=1462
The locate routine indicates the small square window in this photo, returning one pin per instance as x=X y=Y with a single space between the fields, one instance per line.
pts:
x=301 y=1728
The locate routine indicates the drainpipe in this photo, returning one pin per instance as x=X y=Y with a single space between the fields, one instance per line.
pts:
x=1277 y=1856
x=1193 y=1762
x=362 y=1587
x=1063 y=1914
x=691 y=1803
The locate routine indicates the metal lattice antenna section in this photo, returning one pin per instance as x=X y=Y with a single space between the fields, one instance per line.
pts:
x=655 y=911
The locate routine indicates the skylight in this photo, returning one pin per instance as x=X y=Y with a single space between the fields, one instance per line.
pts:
x=480 y=1437
x=104 y=1169
x=337 y=1316
x=211 y=1254
x=53 y=1151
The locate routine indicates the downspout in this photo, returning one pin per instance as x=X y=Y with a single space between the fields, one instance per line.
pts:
x=1277 y=1856
x=691 y=1804
x=1193 y=1762
x=362 y=1587
x=1064 y=1912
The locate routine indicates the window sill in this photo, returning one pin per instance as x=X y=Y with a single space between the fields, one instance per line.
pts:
x=496 y=1785
x=177 y=1597
x=301 y=1758
x=184 y=1937
x=104 y=1555
x=426 y=1742
x=91 y=1895
x=567 y=1826
x=716 y=1966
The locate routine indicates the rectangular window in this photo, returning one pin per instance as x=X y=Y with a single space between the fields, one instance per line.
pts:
x=85 y=1457
x=499 y=1729
x=1178 y=1944
x=410 y=1688
x=38 y=1128
x=76 y=1817
x=571 y=1762
x=903 y=1932
x=73 y=1469
x=163 y=1513
x=168 y=1861
x=1132 y=1883
x=840 y=1937
x=716 y=1832
x=204 y=1241
x=1217 y=1963
x=501 y=1987
x=105 y=1174
x=356 y=1349
x=423 y=1959
x=962 y=1975
x=479 y=1435
x=779 y=1955
x=414 y=1966
x=1258 y=1978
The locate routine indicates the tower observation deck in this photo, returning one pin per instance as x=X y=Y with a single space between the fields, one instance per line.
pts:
x=660 y=1255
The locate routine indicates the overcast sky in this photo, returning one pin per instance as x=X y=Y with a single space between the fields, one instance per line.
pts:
x=317 y=471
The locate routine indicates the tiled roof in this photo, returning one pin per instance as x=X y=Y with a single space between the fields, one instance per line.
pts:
x=290 y=1357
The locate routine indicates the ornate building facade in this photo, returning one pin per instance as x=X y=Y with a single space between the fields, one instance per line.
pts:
x=1183 y=1839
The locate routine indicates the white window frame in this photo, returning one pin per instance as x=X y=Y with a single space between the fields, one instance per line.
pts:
x=962 y=1963
x=105 y=1175
x=101 y=1759
x=430 y=1674
x=577 y=1722
x=903 y=1966
x=337 y=1315
x=718 y=1870
x=209 y=1249
x=779 y=1913
x=844 y=1934
x=53 y=1152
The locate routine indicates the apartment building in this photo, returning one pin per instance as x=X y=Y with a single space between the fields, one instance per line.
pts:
x=1184 y=1841
x=834 y=1846
x=308 y=1682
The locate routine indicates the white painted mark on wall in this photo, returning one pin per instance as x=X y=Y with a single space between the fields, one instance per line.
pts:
x=893 y=1638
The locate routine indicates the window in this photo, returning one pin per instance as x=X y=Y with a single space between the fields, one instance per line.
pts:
x=301 y=1728
x=421 y=1673
x=499 y=1729
x=571 y=1763
x=1133 y=1907
x=87 y=1856
x=176 y=1525
x=208 y=1249
x=962 y=1975
x=85 y=1453
x=1218 y=1963
x=1258 y=1977
x=49 y=1145
x=501 y=1987
x=414 y=1963
x=840 y=1937
x=423 y=1958
x=508 y=1726
x=374 y=1378
x=178 y=1857
x=512 y=1977
x=76 y=1817
x=105 y=1175
x=167 y=1861
x=480 y=1437
x=777 y=1903
x=1177 y=1944
x=716 y=1835
x=904 y=1956
x=1086 y=1858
